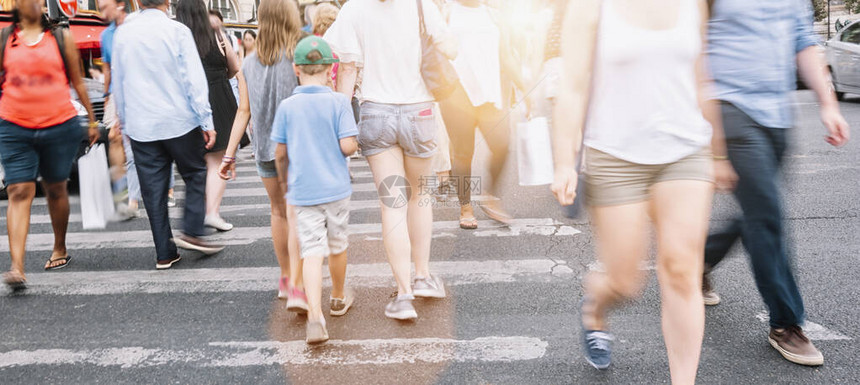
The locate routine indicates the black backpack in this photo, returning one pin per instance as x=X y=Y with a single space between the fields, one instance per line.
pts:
x=5 y=33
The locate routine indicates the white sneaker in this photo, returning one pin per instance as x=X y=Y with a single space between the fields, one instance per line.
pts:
x=401 y=308
x=431 y=287
x=217 y=223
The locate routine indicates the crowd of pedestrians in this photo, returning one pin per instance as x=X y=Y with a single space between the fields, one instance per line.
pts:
x=704 y=86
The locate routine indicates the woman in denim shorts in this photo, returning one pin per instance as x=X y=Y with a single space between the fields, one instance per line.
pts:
x=397 y=128
x=39 y=129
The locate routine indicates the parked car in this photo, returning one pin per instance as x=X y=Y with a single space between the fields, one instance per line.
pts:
x=843 y=60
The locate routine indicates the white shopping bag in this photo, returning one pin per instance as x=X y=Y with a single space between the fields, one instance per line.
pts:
x=534 y=152
x=96 y=198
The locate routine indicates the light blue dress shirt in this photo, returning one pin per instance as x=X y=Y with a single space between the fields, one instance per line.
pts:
x=752 y=49
x=159 y=85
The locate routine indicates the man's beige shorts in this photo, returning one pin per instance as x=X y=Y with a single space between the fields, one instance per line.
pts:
x=323 y=229
x=610 y=181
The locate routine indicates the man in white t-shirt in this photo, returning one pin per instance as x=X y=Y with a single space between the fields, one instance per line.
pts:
x=397 y=130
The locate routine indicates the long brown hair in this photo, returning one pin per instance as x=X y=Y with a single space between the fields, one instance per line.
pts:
x=280 y=29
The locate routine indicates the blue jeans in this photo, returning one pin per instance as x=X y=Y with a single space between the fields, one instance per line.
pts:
x=756 y=153
x=50 y=152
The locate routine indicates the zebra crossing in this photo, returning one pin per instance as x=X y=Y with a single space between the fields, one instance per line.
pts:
x=509 y=318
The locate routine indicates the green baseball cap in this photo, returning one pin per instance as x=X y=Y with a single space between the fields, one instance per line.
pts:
x=313 y=43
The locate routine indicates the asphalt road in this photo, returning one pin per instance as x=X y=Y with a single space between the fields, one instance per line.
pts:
x=510 y=317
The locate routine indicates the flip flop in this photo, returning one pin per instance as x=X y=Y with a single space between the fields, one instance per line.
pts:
x=65 y=260
x=468 y=223
x=15 y=282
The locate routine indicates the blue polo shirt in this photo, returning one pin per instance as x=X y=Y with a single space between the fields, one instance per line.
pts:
x=311 y=123
x=107 y=45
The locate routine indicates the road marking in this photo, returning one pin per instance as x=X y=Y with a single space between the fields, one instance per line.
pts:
x=264 y=353
x=812 y=330
x=248 y=235
x=262 y=279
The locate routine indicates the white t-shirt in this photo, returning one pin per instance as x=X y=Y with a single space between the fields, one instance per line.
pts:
x=478 y=62
x=384 y=39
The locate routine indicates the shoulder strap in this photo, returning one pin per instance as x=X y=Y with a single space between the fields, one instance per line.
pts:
x=61 y=44
x=4 y=37
x=421 y=25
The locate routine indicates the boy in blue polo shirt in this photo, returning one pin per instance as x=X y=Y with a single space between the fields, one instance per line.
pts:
x=315 y=131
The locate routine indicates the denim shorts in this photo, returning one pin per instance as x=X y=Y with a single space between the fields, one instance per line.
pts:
x=27 y=153
x=267 y=169
x=410 y=126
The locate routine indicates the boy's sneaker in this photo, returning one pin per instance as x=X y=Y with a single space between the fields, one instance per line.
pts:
x=710 y=296
x=297 y=301
x=795 y=346
x=431 y=287
x=171 y=201
x=315 y=333
x=339 y=306
x=283 y=287
x=401 y=308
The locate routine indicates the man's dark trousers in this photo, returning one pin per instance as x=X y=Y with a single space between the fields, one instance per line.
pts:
x=756 y=153
x=153 y=161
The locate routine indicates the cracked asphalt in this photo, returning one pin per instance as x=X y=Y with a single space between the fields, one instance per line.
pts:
x=822 y=199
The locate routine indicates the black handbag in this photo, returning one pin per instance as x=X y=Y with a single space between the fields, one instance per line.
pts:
x=436 y=70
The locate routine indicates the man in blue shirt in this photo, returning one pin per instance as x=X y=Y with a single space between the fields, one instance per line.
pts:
x=752 y=50
x=162 y=100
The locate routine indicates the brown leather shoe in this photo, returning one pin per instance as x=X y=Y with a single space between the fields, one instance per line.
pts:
x=795 y=346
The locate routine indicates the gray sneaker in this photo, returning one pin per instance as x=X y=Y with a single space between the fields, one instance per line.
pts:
x=315 y=333
x=401 y=308
x=339 y=306
x=428 y=287
x=709 y=295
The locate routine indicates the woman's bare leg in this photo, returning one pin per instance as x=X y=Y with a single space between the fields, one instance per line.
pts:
x=395 y=226
x=419 y=213
x=622 y=244
x=280 y=229
x=215 y=186
x=682 y=209
x=18 y=221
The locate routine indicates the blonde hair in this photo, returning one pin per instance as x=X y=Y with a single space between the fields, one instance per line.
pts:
x=280 y=29
x=324 y=17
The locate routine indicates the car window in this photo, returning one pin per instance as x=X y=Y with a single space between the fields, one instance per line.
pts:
x=851 y=34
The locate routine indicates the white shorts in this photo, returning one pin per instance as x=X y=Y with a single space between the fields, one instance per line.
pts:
x=322 y=228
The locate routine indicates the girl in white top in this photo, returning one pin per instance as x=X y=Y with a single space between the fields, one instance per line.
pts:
x=397 y=127
x=648 y=152
x=484 y=54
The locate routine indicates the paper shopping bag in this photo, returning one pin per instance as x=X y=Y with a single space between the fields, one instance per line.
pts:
x=96 y=199
x=534 y=152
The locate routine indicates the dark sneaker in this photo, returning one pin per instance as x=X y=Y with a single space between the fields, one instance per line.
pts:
x=795 y=346
x=708 y=294
x=597 y=344
x=401 y=308
x=431 y=287
x=598 y=348
x=315 y=333
x=166 y=264
x=339 y=306
x=197 y=244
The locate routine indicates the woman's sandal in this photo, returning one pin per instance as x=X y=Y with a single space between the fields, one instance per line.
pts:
x=15 y=281
x=65 y=262
x=467 y=218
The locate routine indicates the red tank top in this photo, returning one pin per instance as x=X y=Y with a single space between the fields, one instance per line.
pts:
x=36 y=91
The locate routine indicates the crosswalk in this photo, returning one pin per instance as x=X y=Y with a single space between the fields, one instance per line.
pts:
x=246 y=198
x=510 y=298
